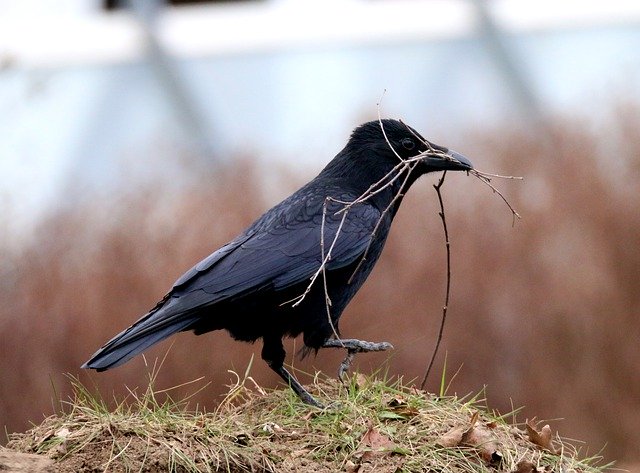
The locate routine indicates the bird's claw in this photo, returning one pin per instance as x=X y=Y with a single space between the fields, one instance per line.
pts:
x=354 y=346
x=345 y=365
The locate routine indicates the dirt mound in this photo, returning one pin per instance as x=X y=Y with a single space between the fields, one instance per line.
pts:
x=372 y=425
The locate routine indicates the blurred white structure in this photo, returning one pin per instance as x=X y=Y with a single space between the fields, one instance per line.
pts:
x=83 y=90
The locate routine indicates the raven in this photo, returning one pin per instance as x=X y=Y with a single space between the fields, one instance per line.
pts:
x=294 y=270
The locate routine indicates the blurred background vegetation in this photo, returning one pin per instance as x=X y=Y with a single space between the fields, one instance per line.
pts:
x=139 y=138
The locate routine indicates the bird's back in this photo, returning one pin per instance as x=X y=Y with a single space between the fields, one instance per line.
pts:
x=251 y=285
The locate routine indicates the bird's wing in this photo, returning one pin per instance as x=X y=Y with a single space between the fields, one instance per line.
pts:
x=283 y=248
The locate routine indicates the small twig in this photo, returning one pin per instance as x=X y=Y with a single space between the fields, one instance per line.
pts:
x=486 y=179
x=406 y=165
x=324 y=259
x=448 y=291
x=401 y=170
x=388 y=208
x=384 y=133
x=327 y=299
x=489 y=175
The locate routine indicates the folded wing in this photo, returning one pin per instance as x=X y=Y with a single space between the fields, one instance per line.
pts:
x=281 y=249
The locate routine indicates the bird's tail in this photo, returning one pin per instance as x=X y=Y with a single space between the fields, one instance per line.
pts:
x=158 y=324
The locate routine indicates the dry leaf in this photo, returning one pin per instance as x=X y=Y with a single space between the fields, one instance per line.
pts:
x=377 y=443
x=482 y=438
x=451 y=438
x=543 y=438
x=475 y=435
x=399 y=406
x=360 y=380
x=352 y=467
x=527 y=467
x=467 y=433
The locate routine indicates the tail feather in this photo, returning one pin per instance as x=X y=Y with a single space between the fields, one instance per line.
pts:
x=163 y=321
x=116 y=353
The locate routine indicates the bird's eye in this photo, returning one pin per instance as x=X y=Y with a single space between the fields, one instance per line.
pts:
x=407 y=143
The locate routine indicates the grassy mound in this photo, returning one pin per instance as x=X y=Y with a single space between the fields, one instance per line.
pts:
x=372 y=425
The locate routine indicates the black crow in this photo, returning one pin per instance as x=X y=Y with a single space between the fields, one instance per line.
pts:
x=294 y=270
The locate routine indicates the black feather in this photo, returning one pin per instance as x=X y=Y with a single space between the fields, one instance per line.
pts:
x=249 y=286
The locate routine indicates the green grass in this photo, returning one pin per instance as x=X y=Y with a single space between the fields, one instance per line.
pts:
x=372 y=425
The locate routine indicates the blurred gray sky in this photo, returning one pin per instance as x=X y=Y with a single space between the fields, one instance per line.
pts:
x=85 y=92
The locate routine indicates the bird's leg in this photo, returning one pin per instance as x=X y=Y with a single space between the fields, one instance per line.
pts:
x=353 y=346
x=302 y=393
x=273 y=353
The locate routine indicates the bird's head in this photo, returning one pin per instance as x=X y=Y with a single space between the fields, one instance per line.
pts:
x=390 y=155
x=392 y=141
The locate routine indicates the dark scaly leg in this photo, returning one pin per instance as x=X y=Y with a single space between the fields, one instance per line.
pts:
x=353 y=346
x=273 y=353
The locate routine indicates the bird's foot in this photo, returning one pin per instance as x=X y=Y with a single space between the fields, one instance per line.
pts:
x=353 y=346
x=302 y=393
x=309 y=399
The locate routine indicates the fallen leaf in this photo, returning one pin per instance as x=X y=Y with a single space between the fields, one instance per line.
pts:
x=451 y=438
x=360 y=380
x=352 y=467
x=399 y=406
x=467 y=433
x=377 y=441
x=527 y=467
x=475 y=435
x=543 y=438
x=376 y=444
x=43 y=438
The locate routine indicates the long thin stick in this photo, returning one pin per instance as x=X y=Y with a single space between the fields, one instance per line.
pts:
x=446 y=298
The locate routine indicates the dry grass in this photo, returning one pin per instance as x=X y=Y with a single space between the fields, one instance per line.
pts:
x=544 y=313
x=373 y=425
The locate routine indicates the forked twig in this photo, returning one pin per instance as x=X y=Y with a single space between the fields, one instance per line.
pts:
x=485 y=178
x=404 y=167
x=437 y=187
x=379 y=222
x=324 y=257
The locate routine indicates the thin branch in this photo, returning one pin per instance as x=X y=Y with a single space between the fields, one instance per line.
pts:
x=384 y=133
x=386 y=181
x=327 y=299
x=404 y=167
x=489 y=175
x=486 y=180
x=448 y=291
x=397 y=196
x=324 y=258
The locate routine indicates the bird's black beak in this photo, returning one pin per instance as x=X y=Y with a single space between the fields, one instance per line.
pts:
x=446 y=160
